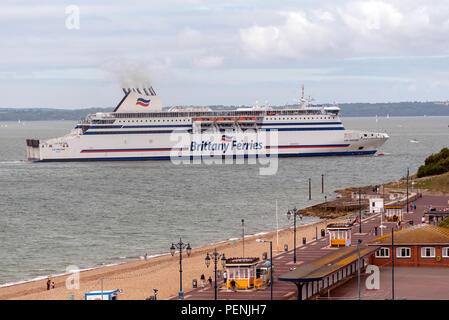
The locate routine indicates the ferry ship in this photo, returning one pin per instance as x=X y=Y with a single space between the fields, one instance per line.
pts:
x=139 y=129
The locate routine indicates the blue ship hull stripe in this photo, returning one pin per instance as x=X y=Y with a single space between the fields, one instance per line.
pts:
x=318 y=154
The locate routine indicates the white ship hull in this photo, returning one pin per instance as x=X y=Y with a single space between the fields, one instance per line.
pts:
x=157 y=135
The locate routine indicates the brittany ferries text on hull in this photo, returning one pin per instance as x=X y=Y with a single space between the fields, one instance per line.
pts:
x=138 y=129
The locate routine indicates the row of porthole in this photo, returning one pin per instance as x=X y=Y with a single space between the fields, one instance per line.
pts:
x=124 y=121
x=271 y=118
x=300 y=118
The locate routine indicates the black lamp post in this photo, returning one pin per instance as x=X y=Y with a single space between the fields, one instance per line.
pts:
x=271 y=266
x=180 y=245
x=215 y=256
x=360 y=212
x=289 y=213
x=408 y=173
x=358 y=266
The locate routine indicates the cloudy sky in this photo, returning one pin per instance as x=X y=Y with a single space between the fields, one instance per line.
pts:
x=197 y=52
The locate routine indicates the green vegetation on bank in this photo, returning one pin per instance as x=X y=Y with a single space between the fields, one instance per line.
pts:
x=435 y=164
x=397 y=109
x=438 y=183
x=444 y=223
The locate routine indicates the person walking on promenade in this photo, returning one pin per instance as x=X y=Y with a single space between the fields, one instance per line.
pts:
x=48 y=283
x=203 y=281
x=210 y=281
x=414 y=206
x=233 y=285
x=225 y=278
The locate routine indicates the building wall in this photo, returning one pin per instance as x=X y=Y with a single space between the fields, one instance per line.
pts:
x=415 y=259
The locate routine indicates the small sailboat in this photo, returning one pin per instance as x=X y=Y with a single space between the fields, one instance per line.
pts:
x=414 y=141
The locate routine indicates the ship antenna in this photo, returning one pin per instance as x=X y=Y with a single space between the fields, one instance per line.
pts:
x=303 y=100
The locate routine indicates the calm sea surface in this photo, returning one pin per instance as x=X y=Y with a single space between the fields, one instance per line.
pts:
x=89 y=214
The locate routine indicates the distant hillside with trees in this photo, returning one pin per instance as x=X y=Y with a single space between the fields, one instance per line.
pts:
x=398 y=109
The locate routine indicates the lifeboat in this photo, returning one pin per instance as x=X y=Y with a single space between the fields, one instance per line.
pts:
x=247 y=119
x=204 y=120
x=225 y=120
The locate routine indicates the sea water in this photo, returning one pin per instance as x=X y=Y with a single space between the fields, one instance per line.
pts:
x=90 y=214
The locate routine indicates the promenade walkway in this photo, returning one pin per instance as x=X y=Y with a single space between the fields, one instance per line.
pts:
x=312 y=251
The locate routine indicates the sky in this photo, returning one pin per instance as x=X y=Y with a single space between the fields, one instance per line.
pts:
x=196 y=52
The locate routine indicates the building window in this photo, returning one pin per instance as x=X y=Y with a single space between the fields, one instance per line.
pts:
x=428 y=252
x=403 y=252
x=383 y=253
x=446 y=252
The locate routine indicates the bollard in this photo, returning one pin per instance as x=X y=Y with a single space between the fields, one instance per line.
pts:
x=304 y=240
x=286 y=247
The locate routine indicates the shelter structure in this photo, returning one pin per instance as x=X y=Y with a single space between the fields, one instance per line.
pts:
x=317 y=277
x=246 y=273
x=436 y=215
x=339 y=234
x=394 y=213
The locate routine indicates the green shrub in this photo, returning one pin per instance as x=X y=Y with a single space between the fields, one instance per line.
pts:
x=444 y=223
x=435 y=164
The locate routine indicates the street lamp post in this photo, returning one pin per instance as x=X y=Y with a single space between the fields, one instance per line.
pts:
x=360 y=212
x=215 y=256
x=407 y=186
x=271 y=266
x=358 y=274
x=289 y=213
x=180 y=245
x=243 y=238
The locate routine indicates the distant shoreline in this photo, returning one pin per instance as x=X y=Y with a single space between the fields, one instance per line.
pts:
x=396 y=109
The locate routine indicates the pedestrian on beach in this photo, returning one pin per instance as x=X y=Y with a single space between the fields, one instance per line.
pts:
x=210 y=281
x=53 y=285
x=145 y=256
x=48 y=283
x=203 y=281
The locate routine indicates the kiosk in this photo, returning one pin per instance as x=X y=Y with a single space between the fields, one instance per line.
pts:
x=394 y=213
x=246 y=273
x=102 y=295
x=339 y=234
